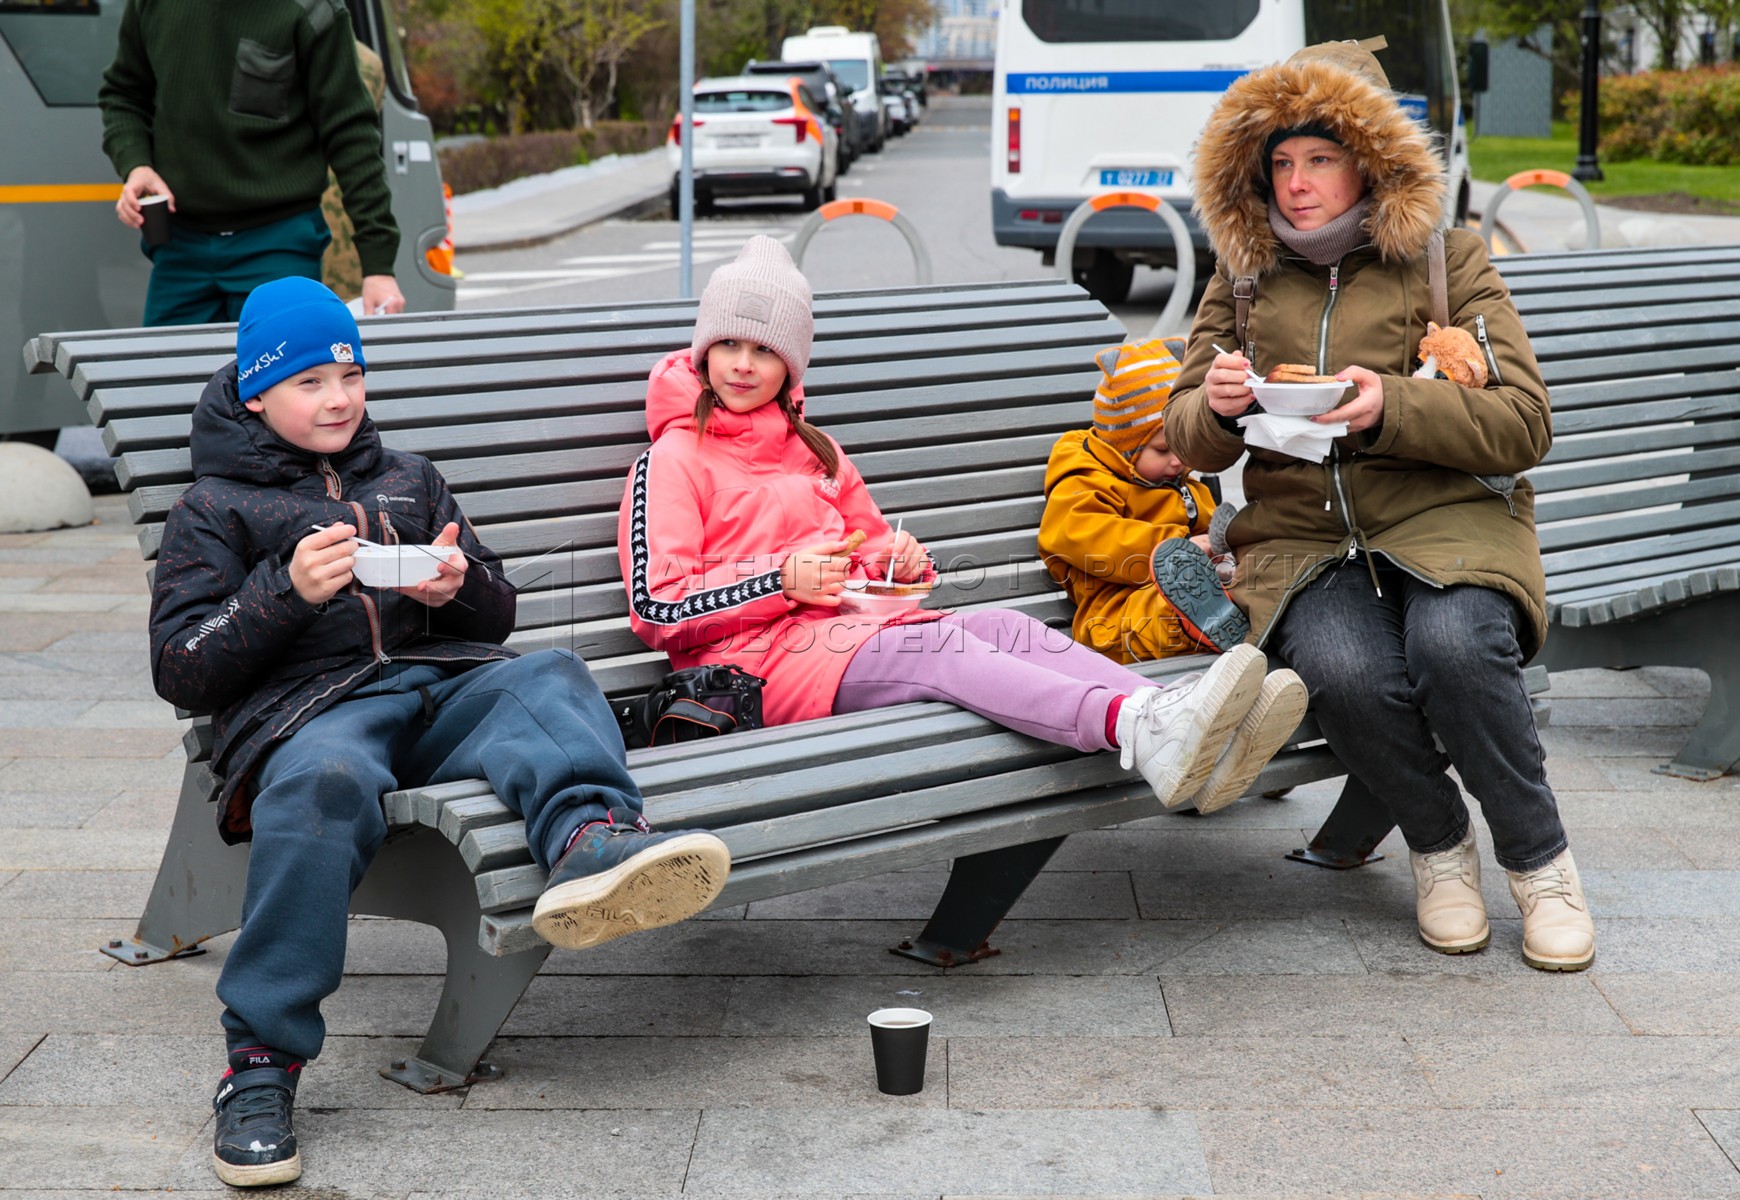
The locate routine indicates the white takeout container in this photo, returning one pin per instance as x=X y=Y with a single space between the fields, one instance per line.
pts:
x=861 y=596
x=1300 y=399
x=398 y=566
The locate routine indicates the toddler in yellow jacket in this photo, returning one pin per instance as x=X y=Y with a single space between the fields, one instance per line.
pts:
x=1126 y=527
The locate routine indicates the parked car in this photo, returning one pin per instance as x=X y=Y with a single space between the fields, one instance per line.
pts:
x=854 y=133
x=857 y=59
x=757 y=135
x=894 y=106
x=911 y=89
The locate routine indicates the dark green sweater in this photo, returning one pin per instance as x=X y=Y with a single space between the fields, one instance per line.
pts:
x=240 y=107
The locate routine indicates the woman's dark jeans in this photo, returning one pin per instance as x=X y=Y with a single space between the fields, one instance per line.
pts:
x=1388 y=671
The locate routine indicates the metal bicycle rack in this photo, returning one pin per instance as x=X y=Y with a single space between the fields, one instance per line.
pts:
x=1181 y=291
x=1558 y=179
x=880 y=209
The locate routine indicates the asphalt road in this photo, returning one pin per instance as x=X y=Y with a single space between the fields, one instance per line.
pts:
x=938 y=175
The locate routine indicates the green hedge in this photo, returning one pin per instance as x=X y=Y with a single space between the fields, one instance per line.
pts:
x=475 y=166
x=1670 y=116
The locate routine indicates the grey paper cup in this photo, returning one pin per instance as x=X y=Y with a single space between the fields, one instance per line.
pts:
x=155 y=209
x=900 y=1038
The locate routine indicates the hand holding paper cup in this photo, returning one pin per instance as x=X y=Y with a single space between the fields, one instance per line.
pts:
x=155 y=210
x=900 y=1038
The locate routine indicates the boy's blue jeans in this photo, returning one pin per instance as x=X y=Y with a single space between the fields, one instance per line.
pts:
x=537 y=728
x=1387 y=672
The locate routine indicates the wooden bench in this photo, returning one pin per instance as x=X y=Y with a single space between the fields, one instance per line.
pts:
x=948 y=399
x=1638 y=503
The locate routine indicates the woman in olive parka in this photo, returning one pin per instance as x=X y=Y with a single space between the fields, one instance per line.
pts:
x=1400 y=577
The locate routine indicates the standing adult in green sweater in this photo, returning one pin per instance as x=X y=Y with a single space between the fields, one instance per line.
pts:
x=234 y=112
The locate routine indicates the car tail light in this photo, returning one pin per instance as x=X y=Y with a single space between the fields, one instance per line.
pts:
x=800 y=123
x=676 y=135
x=1014 y=141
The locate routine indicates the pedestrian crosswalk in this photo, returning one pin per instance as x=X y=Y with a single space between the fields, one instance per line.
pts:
x=712 y=243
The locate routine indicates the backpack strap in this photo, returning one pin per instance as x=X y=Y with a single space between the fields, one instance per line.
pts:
x=1244 y=291
x=1435 y=277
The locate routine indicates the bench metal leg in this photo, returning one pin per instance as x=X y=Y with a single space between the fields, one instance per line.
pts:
x=982 y=888
x=419 y=876
x=198 y=893
x=1704 y=635
x=1358 y=823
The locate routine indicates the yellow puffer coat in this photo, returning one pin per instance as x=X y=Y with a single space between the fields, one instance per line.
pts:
x=1098 y=535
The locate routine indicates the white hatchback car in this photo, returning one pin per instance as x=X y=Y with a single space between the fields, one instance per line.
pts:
x=757 y=135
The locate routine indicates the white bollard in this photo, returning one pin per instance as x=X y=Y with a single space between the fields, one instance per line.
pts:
x=38 y=490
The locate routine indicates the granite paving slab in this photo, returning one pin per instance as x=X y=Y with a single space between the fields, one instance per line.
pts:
x=912 y=895
x=131 y=714
x=98 y=848
x=1671 y=1003
x=67 y=603
x=801 y=1072
x=104 y=641
x=1709 y=848
x=1614 y=1155
x=27 y=773
x=1606 y=685
x=40 y=714
x=960 y=1005
x=1712 y=808
x=13 y=1048
x=1625 y=848
x=1411 y=1005
x=1392 y=945
x=1609 y=741
x=834 y=1150
x=173 y=998
x=1543 y=1073
x=1627 y=712
x=1638 y=893
x=1308 y=946
x=1188 y=1074
x=56 y=944
x=51 y=810
x=1669 y=681
x=152 y=809
x=377 y=946
x=146 y=1070
x=358 y=1151
x=113 y=895
x=1169 y=847
x=80 y=744
x=618 y=1006
x=1650 y=944
x=60 y=1147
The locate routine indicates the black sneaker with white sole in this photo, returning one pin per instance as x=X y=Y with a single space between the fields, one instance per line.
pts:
x=255 y=1144
x=619 y=877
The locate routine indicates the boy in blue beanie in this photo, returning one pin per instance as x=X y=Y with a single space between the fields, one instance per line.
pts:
x=325 y=694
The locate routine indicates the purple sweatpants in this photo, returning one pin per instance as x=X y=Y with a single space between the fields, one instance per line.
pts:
x=998 y=663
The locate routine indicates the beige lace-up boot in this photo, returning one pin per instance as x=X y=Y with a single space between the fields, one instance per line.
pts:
x=1558 y=933
x=1451 y=912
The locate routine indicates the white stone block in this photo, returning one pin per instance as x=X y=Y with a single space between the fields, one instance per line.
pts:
x=38 y=490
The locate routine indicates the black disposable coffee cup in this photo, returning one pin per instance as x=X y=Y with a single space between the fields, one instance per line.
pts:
x=900 y=1038
x=155 y=209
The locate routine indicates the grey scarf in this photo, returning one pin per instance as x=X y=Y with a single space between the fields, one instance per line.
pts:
x=1328 y=244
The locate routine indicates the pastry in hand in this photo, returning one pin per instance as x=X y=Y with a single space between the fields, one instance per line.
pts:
x=1297 y=373
x=1451 y=352
x=855 y=539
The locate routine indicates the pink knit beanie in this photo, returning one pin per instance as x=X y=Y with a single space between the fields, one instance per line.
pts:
x=761 y=298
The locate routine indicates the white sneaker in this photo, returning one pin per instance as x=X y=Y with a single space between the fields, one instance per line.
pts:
x=1558 y=933
x=1447 y=902
x=1174 y=735
x=1280 y=705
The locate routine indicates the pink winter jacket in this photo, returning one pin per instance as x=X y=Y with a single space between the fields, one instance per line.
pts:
x=708 y=522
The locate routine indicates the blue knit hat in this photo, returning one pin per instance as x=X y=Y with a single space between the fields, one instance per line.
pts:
x=287 y=326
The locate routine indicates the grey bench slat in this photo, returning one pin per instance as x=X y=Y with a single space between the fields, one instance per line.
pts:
x=1624 y=320
x=1646 y=542
x=1575 y=584
x=1656 y=590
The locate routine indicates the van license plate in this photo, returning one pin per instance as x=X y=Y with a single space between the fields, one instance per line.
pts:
x=1136 y=179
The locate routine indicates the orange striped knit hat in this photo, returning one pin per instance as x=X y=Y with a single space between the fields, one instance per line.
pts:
x=1131 y=399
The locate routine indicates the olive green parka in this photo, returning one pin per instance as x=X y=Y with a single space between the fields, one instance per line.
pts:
x=1435 y=488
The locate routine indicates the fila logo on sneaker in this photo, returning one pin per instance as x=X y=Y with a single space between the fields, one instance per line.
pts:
x=259 y=1060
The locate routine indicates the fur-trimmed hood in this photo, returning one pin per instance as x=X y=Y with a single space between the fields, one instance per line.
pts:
x=1339 y=86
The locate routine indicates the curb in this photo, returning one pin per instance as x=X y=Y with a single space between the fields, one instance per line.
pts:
x=637 y=205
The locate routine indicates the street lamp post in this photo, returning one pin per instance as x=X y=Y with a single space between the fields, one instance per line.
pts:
x=1587 y=169
x=686 y=174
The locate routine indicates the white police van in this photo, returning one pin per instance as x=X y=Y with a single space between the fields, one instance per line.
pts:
x=1092 y=96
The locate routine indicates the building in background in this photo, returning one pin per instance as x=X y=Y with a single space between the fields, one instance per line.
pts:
x=962 y=43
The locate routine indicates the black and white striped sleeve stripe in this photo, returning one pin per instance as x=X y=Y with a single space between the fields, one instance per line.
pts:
x=695 y=604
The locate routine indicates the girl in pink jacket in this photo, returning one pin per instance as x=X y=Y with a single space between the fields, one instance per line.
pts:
x=733 y=539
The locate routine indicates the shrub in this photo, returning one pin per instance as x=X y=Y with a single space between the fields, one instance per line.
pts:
x=1670 y=116
x=474 y=166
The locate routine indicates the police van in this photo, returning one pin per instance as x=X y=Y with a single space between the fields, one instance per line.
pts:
x=1092 y=96
x=67 y=263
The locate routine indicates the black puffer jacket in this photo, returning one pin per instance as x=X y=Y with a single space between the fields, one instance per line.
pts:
x=229 y=634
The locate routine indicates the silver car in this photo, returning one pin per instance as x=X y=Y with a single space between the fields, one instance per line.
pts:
x=758 y=135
